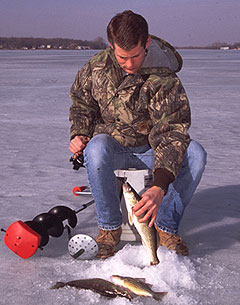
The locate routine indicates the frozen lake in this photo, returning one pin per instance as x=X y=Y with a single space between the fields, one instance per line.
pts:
x=36 y=175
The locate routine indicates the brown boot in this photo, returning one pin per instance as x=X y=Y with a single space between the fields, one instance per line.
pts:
x=172 y=242
x=107 y=240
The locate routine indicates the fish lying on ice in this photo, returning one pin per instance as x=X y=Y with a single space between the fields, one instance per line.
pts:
x=137 y=286
x=148 y=234
x=101 y=286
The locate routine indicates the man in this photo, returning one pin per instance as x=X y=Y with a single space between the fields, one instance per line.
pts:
x=130 y=110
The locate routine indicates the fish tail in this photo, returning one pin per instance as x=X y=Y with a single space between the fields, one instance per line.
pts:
x=154 y=262
x=154 y=257
x=58 y=285
x=159 y=295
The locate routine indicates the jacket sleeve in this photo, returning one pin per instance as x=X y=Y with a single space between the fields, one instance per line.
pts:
x=84 y=110
x=170 y=113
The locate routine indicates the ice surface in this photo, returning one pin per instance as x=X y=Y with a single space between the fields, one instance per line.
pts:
x=36 y=176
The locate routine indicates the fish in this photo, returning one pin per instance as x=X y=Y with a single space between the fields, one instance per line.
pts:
x=137 y=286
x=148 y=234
x=98 y=285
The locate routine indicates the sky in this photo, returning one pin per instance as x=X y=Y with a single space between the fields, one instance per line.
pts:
x=181 y=22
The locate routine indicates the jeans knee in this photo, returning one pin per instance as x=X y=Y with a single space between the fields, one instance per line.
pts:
x=197 y=155
x=96 y=149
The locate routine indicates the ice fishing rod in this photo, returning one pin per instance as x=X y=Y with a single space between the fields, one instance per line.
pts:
x=24 y=238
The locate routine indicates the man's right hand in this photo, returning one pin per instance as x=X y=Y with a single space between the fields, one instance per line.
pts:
x=78 y=144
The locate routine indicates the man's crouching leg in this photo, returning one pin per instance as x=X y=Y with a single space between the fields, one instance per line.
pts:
x=100 y=159
x=177 y=198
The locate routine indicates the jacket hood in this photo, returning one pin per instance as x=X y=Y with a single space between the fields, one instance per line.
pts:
x=162 y=54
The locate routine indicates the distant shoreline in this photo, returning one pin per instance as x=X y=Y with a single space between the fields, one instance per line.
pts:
x=31 y=43
x=87 y=48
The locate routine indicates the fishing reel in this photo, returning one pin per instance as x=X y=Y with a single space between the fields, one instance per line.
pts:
x=77 y=161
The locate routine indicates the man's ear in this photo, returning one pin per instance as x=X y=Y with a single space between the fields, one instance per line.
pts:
x=148 y=42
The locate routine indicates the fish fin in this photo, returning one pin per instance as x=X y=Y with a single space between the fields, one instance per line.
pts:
x=149 y=285
x=159 y=295
x=143 y=280
x=140 y=279
x=130 y=218
x=129 y=294
x=144 y=243
x=58 y=285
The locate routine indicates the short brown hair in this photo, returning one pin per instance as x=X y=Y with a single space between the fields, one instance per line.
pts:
x=126 y=29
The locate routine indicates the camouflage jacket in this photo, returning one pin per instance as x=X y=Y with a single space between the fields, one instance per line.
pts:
x=150 y=106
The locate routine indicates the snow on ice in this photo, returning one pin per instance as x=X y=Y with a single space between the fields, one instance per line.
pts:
x=36 y=176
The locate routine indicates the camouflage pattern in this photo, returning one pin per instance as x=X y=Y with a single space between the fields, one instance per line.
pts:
x=148 y=107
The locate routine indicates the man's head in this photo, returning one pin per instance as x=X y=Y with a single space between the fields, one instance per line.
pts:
x=129 y=38
x=127 y=29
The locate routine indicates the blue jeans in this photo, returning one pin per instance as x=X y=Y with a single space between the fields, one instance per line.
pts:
x=103 y=155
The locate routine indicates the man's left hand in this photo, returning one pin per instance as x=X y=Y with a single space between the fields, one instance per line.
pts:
x=149 y=204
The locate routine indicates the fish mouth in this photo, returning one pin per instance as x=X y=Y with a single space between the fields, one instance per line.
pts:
x=126 y=188
x=113 y=277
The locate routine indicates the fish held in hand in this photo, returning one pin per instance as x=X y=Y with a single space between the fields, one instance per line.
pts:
x=98 y=285
x=137 y=286
x=148 y=234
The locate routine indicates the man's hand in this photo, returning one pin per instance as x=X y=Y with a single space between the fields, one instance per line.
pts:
x=78 y=144
x=149 y=204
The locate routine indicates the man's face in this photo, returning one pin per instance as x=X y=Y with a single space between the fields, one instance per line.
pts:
x=132 y=60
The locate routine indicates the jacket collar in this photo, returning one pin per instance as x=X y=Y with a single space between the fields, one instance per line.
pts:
x=117 y=76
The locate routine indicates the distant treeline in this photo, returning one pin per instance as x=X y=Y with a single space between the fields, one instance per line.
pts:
x=13 y=43
x=25 y=43
x=216 y=45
